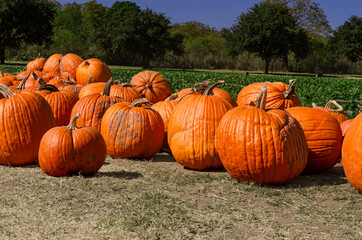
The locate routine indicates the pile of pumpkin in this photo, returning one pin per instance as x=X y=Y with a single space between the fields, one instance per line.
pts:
x=264 y=137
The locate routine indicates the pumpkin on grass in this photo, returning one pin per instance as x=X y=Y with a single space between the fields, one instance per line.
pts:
x=24 y=118
x=99 y=71
x=352 y=153
x=132 y=130
x=280 y=95
x=258 y=145
x=68 y=149
x=192 y=126
x=324 y=137
x=337 y=113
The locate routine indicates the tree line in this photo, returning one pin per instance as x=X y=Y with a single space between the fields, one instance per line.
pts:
x=273 y=35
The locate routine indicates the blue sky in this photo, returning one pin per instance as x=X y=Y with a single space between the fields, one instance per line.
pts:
x=223 y=13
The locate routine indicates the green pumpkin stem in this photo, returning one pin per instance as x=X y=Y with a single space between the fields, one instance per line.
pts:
x=48 y=87
x=107 y=88
x=208 y=90
x=72 y=126
x=291 y=88
x=6 y=91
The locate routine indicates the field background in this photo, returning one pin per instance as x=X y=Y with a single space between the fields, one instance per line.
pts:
x=159 y=199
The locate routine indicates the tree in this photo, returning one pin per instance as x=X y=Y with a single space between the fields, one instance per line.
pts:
x=268 y=30
x=347 y=39
x=29 y=21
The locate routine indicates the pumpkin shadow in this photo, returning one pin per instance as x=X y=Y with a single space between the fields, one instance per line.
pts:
x=120 y=174
x=162 y=158
x=331 y=177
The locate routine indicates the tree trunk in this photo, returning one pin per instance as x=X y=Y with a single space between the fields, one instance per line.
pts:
x=2 y=54
x=286 y=62
x=267 y=60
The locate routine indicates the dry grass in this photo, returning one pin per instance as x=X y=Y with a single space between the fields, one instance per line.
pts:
x=158 y=199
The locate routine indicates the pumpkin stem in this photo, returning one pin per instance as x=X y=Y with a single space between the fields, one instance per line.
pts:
x=6 y=91
x=261 y=99
x=251 y=103
x=48 y=87
x=314 y=105
x=39 y=79
x=172 y=97
x=72 y=126
x=40 y=69
x=148 y=85
x=127 y=85
x=291 y=88
x=107 y=88
x=333 y=102
x=138 y=102
x=22 y=83
x=89 y=80
x=208 y=90
x=86 y=63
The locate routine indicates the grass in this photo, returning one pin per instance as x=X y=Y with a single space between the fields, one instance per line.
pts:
x=159 y=199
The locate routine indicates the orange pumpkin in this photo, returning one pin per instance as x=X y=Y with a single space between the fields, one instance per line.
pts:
x=68 y=149
x=69 y=64
x=6 y=81
x=94 y=68
x=280 y=95
x=125 y=91
x=52 y=64
x=70 y=85
x=61 y=102
x=37 y=64
x=152 y=86
x=92 y=88
x=34 y=80
x=337 y=113
x=93 y=107
x=258 y=145
x=24 y=119
x=352 y=153
x=132 y=130
x=345 y=125
x=192 y=127
x=324 y=137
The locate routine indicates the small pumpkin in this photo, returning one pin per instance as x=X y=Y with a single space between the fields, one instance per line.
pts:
x=52 y=64
x=37 y=64
x=258 y=145
x=151 y=85
x=99 y=71
x=280 y=95
x=69 y=64
x=337 y=113
x=69 y=149
x=132 y=130
x=125 y=91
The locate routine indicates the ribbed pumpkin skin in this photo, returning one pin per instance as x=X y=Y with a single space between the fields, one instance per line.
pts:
x=275 y=97
x=35 y=64
x=24 y=119
x=152 y=86
x=69 y=64
x=61 y=103
x=92 y=89
x=261 y=146
x=352 y=153
x=337 y=115
x=92 y=109
x=164 y=108
x=63 y=152
x=345 y=125
x=192 y=128
x=324 y=137
x=129 y=94
x=6 y=81
x=52 y=65
x=99 y=71
x=132 y=132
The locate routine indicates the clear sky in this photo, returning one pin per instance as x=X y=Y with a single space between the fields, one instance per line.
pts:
x=223 y=13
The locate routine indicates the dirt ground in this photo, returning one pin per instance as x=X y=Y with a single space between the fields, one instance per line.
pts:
x=159 y=199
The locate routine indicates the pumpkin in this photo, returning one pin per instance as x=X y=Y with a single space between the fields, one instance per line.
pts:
x=258 y=145
x=34 y=80
x=69 y=64
x=68 y=149
x=345 y=125
x=37 y=64
x=151 y=85
x=324 y=137
x=92 y=88
x=70 y=85
x=164 y=108
x=93 y=107
x=192 y=126
x=352 y=153
x=280 y=95
x=94 y=68
x=132 y=130
x=57 y=82
x=337 y=113
x=125 y=91
x=22 y=75
x=24 y=119
x=61 y=102
x=6 y=81
x=52 y=64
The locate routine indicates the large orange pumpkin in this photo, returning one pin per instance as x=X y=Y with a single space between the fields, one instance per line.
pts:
x=92 y=88
x=192 y=127
x=337 y=113
x=61 y=102
x=352 y=153
x=324 y=137
x=280 y=95
x=68 y=149
x=52 y=65
x=24 y=119
x=37 y=64
x=125 y=91
x=93 y=107
x=151 y=85
x=69 y=64
x=265 y=146
x=132 y=130
x=94 y=68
